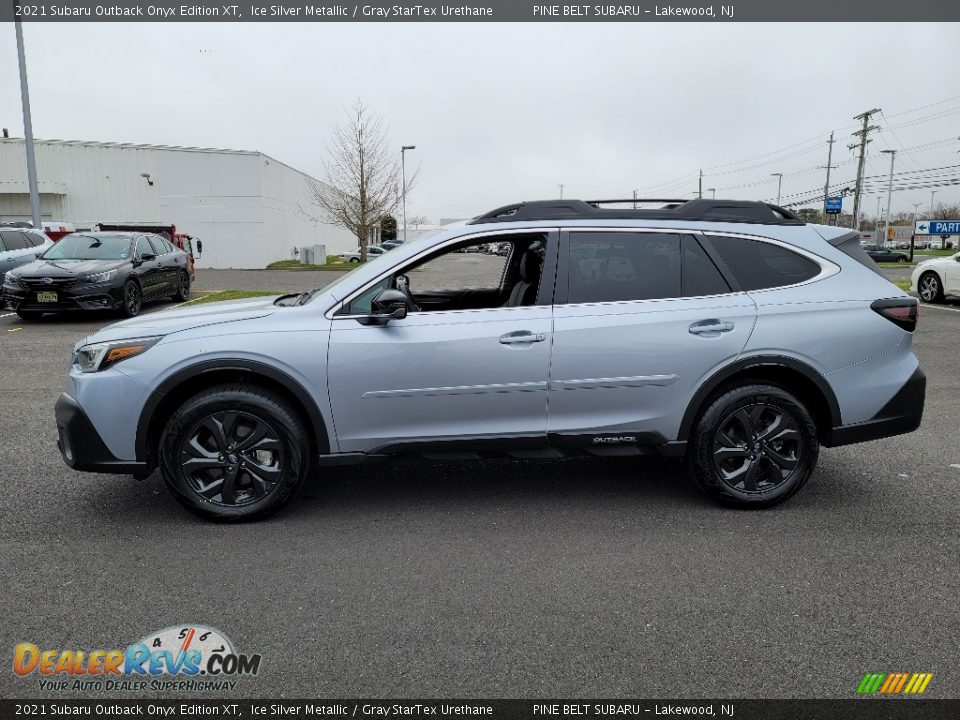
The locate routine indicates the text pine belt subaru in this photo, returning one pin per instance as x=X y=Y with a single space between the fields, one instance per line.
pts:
x=728 y=332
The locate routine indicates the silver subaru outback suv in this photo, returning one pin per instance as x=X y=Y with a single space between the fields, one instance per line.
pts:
x=729 y=333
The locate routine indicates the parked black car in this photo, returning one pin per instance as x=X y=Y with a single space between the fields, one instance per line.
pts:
x=98 y=271
x=882 y=254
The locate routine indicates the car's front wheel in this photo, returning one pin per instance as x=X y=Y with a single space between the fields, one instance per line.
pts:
x=132 y=301
x=354 y=260
x=29 y=315
x=930 y=287
x=755 y=446
x=234 y=453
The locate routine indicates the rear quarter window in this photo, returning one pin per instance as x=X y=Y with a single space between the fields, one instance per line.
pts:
x=759 y=265
x=850 y=246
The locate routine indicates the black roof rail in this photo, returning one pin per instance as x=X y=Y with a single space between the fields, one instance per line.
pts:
x=734 y=211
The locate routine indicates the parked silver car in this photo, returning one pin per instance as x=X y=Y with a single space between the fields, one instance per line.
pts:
x=19 y=246
x=730 y=333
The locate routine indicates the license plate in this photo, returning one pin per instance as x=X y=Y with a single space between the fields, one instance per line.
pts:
x=46 y=297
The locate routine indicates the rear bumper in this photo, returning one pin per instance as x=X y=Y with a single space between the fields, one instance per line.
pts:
x=81 y=445
x=902 y=414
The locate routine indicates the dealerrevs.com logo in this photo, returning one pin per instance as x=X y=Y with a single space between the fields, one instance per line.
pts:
x=182 y=658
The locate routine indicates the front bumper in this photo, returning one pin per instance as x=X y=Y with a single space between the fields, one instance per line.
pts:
x=83 y=448
x=902 y=414
x=75 y=297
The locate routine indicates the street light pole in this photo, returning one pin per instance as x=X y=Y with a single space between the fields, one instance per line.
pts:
x=27 y=126
x=886 y=227
x=561 y=190
x=714 y=191
x=403 y=179
x=932 y=193
x=779 y=177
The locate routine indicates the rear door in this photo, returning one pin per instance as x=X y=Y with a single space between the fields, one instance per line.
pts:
x=149 y=272
x=641 y=319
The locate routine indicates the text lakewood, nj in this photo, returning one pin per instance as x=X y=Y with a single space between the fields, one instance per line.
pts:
x=711 y=11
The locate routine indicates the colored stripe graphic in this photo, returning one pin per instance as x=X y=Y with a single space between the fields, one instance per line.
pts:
x=894 y=683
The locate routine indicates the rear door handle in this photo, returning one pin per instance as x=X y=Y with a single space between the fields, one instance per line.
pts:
x=521 y=337
x=710 y=327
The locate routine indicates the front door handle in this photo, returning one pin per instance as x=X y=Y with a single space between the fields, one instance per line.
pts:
x=521 y=337
x=710 y=327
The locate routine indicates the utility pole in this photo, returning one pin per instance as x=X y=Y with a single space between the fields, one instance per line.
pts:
x=27 y=126
x=561 y=190
x=862 y=134
x=634 y=199
x=886 y=227
x=779 y=177
x=700 y=186
x=876 y=223
x=916 y=208
x=826 y=185
x=403 y=179
x=932 y=193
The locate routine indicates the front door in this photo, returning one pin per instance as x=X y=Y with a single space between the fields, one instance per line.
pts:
x=642 y=319
x=439 y=376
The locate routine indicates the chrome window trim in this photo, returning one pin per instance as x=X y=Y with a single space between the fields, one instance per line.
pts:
x=331 y=312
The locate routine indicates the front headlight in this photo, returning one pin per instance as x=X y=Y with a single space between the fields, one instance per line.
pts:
x=12 y=277
x=99 y=356
x=100 y=277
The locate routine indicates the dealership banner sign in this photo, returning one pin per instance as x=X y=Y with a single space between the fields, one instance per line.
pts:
x=481 y=11
x=861 y=709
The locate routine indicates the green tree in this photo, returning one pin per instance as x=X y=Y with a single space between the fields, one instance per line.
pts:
x=388 y=227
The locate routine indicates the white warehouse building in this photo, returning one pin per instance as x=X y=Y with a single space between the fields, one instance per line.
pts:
x=245 y=206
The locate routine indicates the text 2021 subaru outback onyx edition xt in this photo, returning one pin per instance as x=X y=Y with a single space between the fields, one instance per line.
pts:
x=729 y=332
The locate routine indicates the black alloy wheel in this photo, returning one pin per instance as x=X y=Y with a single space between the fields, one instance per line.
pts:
x=754 y=446
x=235 y=452
x=132 y=299
x=182 y=287
x=231 y=458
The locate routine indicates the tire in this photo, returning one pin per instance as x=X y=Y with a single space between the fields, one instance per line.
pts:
x=930 y=288
x=354 y=260
x=754 y=447
x=212 y=431
x=901 y=258
x=183 y=288
x=29 y=315
x=132 y=302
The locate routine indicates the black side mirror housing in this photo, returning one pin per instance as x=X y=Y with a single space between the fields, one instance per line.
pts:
x=199 y=247
x=388 y=305
x=147 y=257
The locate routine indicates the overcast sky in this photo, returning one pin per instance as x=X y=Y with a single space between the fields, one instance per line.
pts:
x=501 y=113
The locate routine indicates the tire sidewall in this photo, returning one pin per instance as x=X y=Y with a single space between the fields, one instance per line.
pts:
x=272 y=410
x=718 y=411
x=183 y=287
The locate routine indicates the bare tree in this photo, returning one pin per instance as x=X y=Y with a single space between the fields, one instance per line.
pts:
x=361 y=179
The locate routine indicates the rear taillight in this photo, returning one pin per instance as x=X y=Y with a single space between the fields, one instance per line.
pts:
x=903 y=312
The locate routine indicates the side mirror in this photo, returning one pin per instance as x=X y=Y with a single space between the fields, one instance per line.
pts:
x=386 y=306
x=147 y=257
x=199 y=247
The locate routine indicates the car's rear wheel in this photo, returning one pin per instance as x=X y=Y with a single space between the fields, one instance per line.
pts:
x=901 y=258
x=183 y=287
x=930 y=287
x=755 y=446
x=234 y=453
x=132 y=299
x=354 y=260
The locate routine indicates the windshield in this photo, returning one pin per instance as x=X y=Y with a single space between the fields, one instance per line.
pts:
x=88 y=247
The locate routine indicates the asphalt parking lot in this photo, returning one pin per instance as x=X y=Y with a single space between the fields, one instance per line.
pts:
x=581 y=578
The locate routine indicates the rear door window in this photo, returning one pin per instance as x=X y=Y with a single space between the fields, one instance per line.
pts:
x=13 y=240
x=760 y=265
x=621 y=266
x=700 y=276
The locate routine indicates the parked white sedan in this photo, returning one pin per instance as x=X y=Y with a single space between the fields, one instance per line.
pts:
x=354 y=255
x=933 y=279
